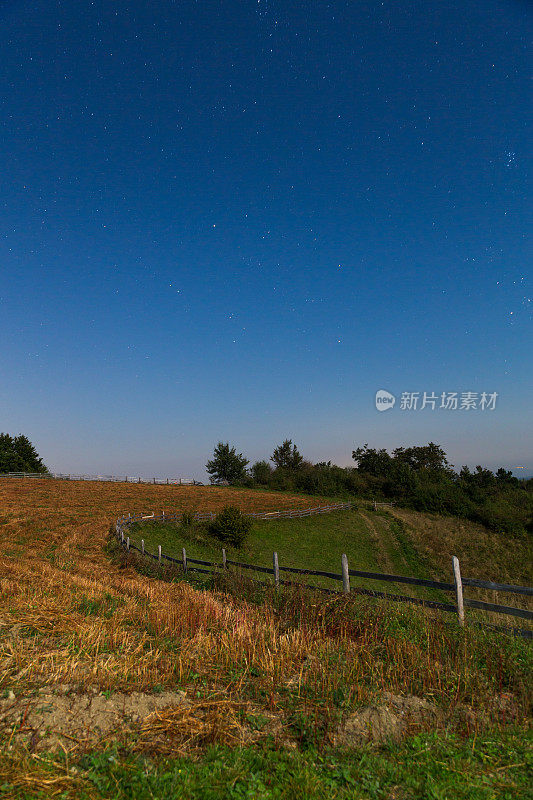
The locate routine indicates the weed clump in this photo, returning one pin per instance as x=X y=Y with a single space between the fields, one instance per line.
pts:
x=187 y=519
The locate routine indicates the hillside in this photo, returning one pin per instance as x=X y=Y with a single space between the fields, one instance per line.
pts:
x=120 y=685
x=393 y=541
x=498 y=556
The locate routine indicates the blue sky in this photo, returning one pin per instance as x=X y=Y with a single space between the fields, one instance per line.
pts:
x=239 y=220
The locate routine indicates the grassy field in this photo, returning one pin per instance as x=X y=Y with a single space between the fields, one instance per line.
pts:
x=372 y=542
x=395 y=542
x=118 y=685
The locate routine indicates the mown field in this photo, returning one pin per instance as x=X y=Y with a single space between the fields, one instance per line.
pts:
x=116 y=684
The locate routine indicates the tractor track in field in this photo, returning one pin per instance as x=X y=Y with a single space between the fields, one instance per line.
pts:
x=382 y=556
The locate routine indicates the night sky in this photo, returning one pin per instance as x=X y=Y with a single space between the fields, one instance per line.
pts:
x=240 y=220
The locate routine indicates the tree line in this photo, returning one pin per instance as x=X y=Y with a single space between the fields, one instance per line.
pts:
x=418 y=477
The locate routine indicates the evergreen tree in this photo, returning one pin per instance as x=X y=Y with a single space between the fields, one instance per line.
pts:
x=17 y=454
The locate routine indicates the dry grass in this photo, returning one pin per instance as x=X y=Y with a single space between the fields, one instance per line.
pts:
x=483 y=553
x=38 y=777
x=71 y=615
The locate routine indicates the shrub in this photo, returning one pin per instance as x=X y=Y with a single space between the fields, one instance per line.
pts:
x=230 y=526
x=187 y=518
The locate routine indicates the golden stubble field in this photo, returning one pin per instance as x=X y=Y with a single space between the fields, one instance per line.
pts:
x=56 y=530
x=72 y=620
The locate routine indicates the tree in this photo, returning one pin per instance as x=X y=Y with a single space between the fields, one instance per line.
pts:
x=286 y=456
x=226 y=464
x=261 y=472
x=429 y=457
x=481 y=478
x=372 y=461
x=507 y=477
x=17 y=454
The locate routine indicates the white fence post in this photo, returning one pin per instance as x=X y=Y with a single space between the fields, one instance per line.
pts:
x=128 y=542
x=142 y=546
x=276 y=568
x=458 y=590
x=345 y=574
x=224 y=562
x=184 y=557
x=159 y=552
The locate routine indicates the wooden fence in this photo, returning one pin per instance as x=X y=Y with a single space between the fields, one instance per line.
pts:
x=456 y=588
x=283 y=513
x=111 y=478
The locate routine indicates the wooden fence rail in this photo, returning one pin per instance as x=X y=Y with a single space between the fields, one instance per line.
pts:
x=207 y=567
x=262 y=515
x=107 y=478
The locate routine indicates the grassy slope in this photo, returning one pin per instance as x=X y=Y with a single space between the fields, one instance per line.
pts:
x=71 y=615
x=400 y=542
x=482 y=552
x=372 y=542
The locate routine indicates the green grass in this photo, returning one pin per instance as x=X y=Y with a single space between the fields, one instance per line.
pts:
x=373 y=542
x=425 y=767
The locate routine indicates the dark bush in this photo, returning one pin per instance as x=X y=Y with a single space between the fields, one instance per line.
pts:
x=231 y=526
